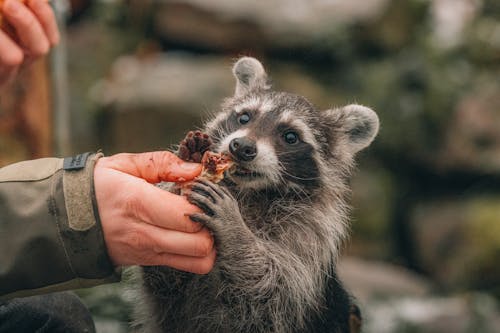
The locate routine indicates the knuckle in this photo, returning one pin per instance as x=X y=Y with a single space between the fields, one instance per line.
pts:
x=25 y=20
x=14 y=58
x=133 y=206
x=136 y=239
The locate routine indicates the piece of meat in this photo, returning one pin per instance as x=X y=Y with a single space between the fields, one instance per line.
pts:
x=195 y=147
x=214 y=166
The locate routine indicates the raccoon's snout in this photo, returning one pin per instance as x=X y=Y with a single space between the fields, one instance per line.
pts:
x=243 y=149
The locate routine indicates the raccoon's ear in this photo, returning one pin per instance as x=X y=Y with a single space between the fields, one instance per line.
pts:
x=360 y=125
x=250 y=75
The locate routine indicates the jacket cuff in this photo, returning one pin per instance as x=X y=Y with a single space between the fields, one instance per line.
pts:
x=81 y=232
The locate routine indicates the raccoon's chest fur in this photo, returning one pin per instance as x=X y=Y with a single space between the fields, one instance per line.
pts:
x=267 y=210
x=222 y=301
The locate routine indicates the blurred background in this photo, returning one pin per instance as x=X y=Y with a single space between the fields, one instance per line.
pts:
x=425 y=249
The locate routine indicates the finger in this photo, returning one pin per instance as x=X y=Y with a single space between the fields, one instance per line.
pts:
x=154 y=167
x=28 y=29
x=198 y=244
x=184 y=263
x=158 y=207
x=43 y=11
x=11 y=55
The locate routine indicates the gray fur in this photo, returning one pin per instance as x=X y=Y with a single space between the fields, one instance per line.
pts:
x=277 y=236
x=250 y=75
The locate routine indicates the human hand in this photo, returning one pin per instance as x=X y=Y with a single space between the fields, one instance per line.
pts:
x=145 y=225
x=30 y=32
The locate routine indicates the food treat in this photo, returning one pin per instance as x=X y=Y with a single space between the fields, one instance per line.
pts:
x=214 y=166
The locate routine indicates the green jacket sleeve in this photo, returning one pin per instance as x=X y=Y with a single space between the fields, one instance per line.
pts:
x=50 y=234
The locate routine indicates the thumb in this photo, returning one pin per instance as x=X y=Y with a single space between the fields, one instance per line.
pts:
x=153 y=167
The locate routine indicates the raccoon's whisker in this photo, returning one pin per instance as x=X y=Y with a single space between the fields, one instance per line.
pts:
x=301 y=178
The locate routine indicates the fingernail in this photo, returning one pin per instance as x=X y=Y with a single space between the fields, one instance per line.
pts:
x=11 y=6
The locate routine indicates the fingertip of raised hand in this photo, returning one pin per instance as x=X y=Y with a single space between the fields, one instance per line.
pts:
x=27 y=27
x=45 y=14
x=11 y=7
x=41 y=49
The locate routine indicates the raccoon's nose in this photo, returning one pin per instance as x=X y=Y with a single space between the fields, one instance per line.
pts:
x=243 y=149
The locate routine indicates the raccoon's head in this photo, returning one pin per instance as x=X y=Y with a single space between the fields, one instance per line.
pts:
x=280 y=140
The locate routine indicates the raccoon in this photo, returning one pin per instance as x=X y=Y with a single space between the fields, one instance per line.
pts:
x=278 y=219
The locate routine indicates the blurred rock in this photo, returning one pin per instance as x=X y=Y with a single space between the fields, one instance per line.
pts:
x=396 y=300
x=228 y=25
x=171 y=80
x=458 y=314
x=368 y=280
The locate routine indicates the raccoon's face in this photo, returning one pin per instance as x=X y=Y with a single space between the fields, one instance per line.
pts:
x=280 y=140
x=270 y=140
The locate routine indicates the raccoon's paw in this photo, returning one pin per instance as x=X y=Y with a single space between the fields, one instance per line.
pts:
x=220 y=209
x=193 y=146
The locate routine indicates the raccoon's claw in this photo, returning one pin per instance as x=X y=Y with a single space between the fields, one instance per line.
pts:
x=218 y=205
x=193 y=146
x=207 y=196
x=210 y=189
x=203 y=202
x=200 y=218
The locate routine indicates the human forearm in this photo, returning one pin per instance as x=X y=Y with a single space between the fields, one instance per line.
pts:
x=50 y=242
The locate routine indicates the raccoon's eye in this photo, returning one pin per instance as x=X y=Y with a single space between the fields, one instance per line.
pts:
x=244 y=118
x=291 y=137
